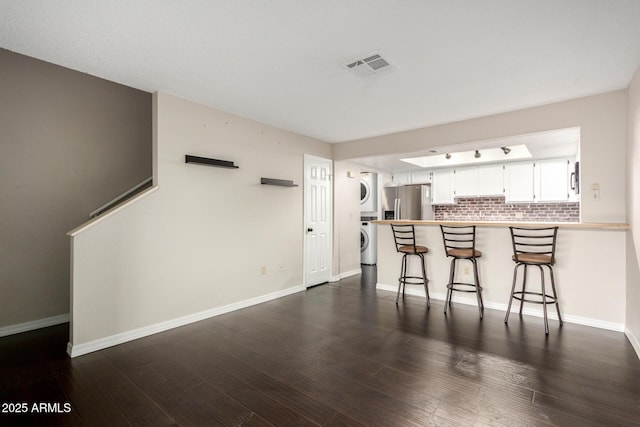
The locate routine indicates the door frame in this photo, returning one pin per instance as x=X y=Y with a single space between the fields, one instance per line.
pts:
x=306 y=159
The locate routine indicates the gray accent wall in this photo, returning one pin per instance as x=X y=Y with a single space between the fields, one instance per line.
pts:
x=69 y=142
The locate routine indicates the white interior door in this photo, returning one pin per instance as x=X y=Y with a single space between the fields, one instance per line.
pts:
x=317 y=220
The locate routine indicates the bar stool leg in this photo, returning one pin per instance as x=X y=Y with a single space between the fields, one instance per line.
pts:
x=404 y=281
x=478 y=289
x=555 y=295
x=425 y=280
x=447 y=301
x=524 y=289
x=513 y=289
x=544 y=301
x=401 y=278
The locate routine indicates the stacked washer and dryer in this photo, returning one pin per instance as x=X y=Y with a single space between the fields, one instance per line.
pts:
x=368 y=212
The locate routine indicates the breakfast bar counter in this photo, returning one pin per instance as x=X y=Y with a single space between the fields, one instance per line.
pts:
x=590 y=268
x=573 y=225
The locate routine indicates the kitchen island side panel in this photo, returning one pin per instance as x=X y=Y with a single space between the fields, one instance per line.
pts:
x=589 y=271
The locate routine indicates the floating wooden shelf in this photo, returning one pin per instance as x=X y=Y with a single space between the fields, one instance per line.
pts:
x=279 y=182
x=209 y=162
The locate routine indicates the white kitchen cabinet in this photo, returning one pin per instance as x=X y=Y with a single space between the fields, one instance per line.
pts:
x=490 y=180
x=421 y=177
x=466 y=182
x=551 y=180
x=442 y=187
x=518 y=180
x=539 y=181
x=403 y=178
x=486 y=180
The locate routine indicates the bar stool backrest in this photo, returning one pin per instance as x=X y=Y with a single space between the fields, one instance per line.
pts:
x=534 y=241
x=404 y=235
x=458 y=237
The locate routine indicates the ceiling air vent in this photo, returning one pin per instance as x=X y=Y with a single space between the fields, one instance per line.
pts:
x=369 y=65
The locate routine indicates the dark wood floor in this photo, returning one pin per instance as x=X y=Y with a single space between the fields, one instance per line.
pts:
x=339 y=354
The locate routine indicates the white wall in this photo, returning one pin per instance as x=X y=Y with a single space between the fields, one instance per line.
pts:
x=346 y=256
x=198 y=242
x=346 y=232
x=601 y=118
x=633 y=236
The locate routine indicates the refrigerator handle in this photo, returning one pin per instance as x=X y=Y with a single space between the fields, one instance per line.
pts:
x=396 y=214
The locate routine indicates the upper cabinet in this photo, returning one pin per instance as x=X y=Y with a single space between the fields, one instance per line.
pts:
x=474 y=181
x=408 y=178
x=518 y=182
x=442 y=187
x=491 y=180
x=421 y=177
x=486 y=180
x=539 y=181
x=551 y=180
x=402 y=178
x=466 y=182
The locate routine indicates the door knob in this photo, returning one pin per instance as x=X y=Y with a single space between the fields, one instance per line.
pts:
x=309 y=230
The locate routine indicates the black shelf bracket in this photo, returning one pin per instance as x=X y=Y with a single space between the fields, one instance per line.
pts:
x=209 y=162
x=279 y=182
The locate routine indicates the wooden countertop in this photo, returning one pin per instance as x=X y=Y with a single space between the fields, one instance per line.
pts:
x=577 y=225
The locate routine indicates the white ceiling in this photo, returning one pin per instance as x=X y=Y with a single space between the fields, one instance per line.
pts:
x=542 y=145
x=281 y=61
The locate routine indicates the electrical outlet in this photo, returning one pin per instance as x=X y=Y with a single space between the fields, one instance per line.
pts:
x=263 y=270
x=281 y=266
x=595 y=191
x=466 y=271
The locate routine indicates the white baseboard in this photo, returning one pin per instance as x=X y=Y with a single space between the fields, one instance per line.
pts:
x=346 y=274
x=102 y=343
x=596 y=323
x=34 y=324
x=633 y=340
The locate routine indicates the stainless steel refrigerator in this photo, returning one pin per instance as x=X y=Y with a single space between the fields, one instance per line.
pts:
x=407 y=202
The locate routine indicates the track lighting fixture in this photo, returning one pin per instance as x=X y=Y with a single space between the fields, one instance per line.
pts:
x=471 y=156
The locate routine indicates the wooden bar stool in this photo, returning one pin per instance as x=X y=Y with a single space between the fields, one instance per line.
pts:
x=534 y=247
x=405 y=240
x=460 y=244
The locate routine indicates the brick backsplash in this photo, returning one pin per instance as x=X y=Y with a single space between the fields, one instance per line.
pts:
x=496 y=209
